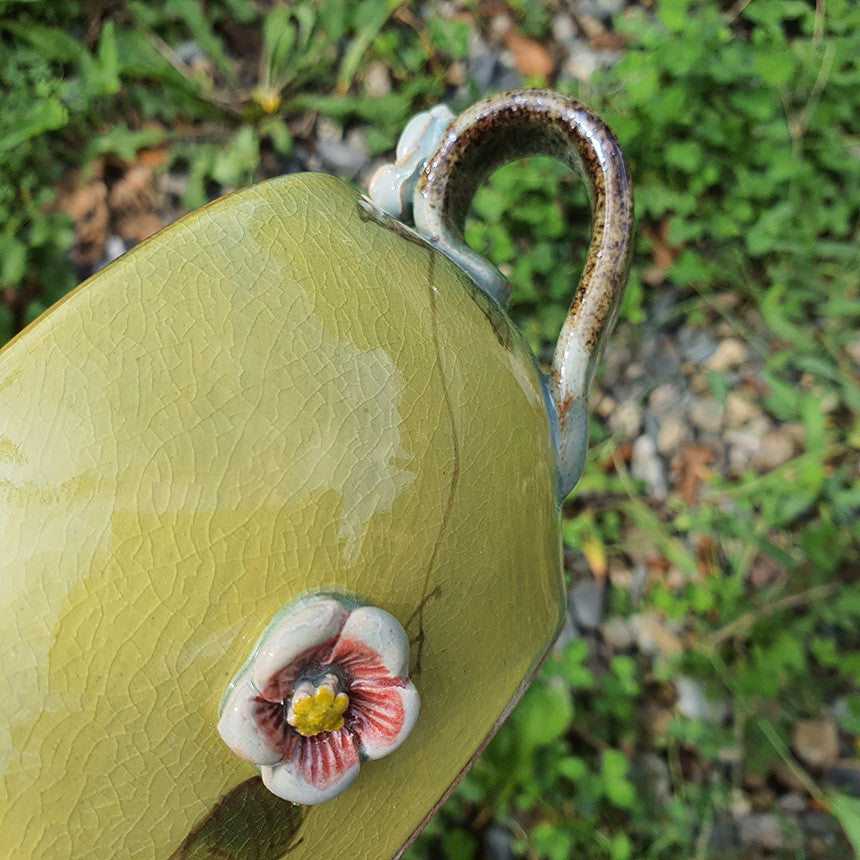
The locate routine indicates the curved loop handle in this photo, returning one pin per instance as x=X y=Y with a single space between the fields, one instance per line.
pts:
x=513 y=125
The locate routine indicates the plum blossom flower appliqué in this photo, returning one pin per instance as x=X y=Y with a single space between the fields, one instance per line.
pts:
x=326 y=688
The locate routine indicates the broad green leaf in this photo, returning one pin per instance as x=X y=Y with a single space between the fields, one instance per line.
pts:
x=847 y=810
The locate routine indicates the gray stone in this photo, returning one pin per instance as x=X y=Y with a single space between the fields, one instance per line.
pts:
x=587 y=602
x=328 y=129
x=616 y=634
x=776 y=450
x=743 y=447
x=816 y=743
x=739 y=410
x=762 y=830
x=651 y=424
x=729 y=354
x=706 y=413
x=377 y=81
x=563 y=30
x=481 y=61
x=602 y=9
x=506 y=78
x=189 y=53
x=626 y=419
x=172 y=184
x=694 y=704
x=638 y=582
x=583 y=61
x=652 y=772
x=652 y=637
x=114 y=248
x=486 y=69
x=497 y=843
x=346 y=157
x=666 y=399
x=698 y=346
x=674 y=433
x=645 y=465
x=793 y=803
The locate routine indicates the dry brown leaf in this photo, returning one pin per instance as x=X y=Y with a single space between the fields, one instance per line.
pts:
x=153 y=157
x=135 y=192
x=531 y=57
x=88 y=208
x=764 y=572
x=138 y=226
x=706 y=554
x=694 y=468
x=663 y=254
x=608 y=40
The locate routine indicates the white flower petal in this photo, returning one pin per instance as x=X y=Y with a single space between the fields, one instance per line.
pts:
x=322 y=767
x=384 y=717
x=313 y=625
x=239 y=729
x=380 y=631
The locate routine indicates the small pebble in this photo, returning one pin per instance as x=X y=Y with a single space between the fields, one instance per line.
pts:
x=586 y=600
x=706 y=413
x=777 y=448
x=645 y=465
x=729 y=354
x=616 y=634
x=377 y=81
x=698 y=346
x=816 y=743
x=665 y=399
x=652 y=637
x=563 y=30
x=346 y=157
x=328 y=129
x=652 y=771
x=793 y=803
x=739 y=410
x=626 y=420
x=674 y=433
x=762 y=830
x=497 y=843
x=693 y=703
x=583 y=61
x=603 y=9
x=744 y=445
x=189 y=53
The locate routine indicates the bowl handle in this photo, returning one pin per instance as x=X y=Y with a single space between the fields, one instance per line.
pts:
x=503 y=128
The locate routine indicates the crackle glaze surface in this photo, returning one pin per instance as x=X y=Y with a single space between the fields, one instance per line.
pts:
x=274 y=394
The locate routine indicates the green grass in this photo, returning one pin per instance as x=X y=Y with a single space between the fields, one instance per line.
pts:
x=738 y=129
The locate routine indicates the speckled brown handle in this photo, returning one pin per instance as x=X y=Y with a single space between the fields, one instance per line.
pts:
x=513 y=125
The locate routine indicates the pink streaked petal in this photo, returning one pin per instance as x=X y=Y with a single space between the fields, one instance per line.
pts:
x=322 y=767
x=382 y=716
x=277 y=733
x=372 y=644
x=280 y=686
x=240 y=729
x=304 y=631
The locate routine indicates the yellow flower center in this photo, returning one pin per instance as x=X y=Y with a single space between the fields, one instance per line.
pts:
x=317 y=709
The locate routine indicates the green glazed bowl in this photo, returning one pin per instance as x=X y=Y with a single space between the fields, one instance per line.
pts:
x=283 y=392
